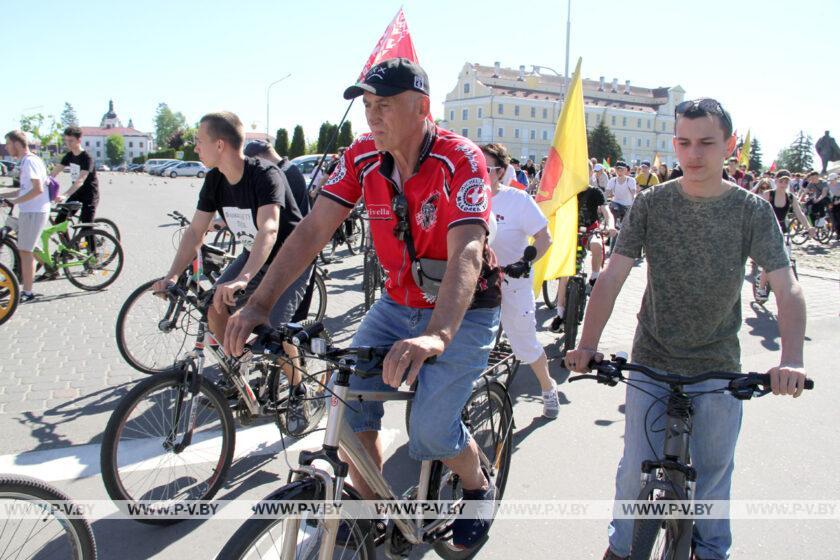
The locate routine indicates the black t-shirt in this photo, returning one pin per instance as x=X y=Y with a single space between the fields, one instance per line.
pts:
x=588 y=202
x=78 y=163
x=298 y=185
x=261 y=184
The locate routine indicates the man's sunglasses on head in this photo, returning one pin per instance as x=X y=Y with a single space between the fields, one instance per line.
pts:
x=706 y=104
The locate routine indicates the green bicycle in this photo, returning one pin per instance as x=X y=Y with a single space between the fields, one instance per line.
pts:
x=91 y=259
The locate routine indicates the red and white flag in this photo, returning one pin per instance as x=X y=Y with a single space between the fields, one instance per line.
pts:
x=394 y=43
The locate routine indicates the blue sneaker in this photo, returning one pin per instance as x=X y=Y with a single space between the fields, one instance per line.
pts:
x=469 y=531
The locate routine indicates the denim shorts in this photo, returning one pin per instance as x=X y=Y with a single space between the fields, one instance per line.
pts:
x=288 y=303
x=443 y=387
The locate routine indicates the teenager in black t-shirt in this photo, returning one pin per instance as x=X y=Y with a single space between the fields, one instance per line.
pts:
x=257 y=205
x=84 y=185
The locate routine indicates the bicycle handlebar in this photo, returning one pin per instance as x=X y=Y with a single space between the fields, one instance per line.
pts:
x=742 y=385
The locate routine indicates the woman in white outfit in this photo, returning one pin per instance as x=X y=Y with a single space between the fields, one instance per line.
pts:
x=517 y=218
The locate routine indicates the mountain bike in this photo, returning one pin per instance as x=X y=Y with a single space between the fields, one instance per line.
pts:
x=577 y=292
x=91 y=259
x=172 y=437
x=487 y=414
x=350 y=233
x=48 y=524
x=9 y=293
x=373 y=277
x=670 y=476
x=759 y=297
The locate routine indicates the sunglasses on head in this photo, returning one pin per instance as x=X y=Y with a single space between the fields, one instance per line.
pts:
x=706 y=104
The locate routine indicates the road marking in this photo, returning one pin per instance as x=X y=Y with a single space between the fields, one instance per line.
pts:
x=82 y=461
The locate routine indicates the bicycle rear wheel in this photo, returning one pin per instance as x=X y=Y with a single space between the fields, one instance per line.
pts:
x=369 y=279
x=46 y=531
x=549 y=290
x=10 y=256
x=489 y=417
x=9 y=293
x=107 y=225
x=139 y=459
x=260 y=538
x=799 y=234
x=98 y=260
x=154 y=333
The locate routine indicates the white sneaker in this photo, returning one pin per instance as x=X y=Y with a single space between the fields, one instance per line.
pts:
x=551 y=404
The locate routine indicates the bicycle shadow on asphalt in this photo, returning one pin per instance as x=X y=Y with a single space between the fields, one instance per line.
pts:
x=104 y=400
x=60 y=297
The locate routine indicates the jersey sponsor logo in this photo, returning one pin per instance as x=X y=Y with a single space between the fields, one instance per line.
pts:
x=469 y=153
x=378 y=211
x=472 y=196
x=427 y=216
x=338 y=174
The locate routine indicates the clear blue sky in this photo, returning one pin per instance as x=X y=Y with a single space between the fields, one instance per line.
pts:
x=761 y=59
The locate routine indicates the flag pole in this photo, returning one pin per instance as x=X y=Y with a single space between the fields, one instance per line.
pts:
x=568 y=33
x=330 y=144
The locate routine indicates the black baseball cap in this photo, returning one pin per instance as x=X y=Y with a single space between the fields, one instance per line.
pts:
x=256 y=148
x=391 y=77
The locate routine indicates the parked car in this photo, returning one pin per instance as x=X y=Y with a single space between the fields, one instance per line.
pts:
x=307 y=164
x=161 y=169
x=187 y=169
x=147 y=167
x=123 y=167
x=135 y=168
x=102 y=167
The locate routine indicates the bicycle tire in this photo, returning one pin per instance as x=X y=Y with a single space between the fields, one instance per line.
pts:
x=549 y=290
x=571 y=320
x=823 y=234
x=80 y=243
x=109 y=226
x=245 y=542
x=758 y=298
x=799 y=234
x=369 y=279
x=356 y=240
x=10 y=256
x=363 y=233
x=79 y=534
x=318 y=305
x=114 y=479
x=490 y=443
x=9 y=293
x=646 y=535
x=225 y=240
x=162 y=361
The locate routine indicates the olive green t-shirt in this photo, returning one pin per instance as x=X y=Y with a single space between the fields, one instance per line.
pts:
x=696 y=249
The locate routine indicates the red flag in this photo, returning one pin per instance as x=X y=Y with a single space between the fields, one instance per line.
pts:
x=516 y=184
x=773 y=167
x=394 y=43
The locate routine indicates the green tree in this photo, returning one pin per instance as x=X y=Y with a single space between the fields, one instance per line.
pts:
x=345 y=135
x=602 y=143
x=298 y=146
x=797 y=157
x=68 y=116
x=281 y=142
x=44 y=129
x=755 y=155
x=326 y=133
x=115 y=149
x=166 y=123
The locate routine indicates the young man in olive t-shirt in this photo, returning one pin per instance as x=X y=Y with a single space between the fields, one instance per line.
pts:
x=691 y=312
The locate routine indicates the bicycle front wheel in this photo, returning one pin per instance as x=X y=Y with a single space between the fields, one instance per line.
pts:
x=95 y=262
x=574 y=302
x=9 y=293
x=108 y=225
x=549 y=290
x=140 y=456
x=654 y=539
x=260 y=538
x=10 y=256
x=154 y=333
x=369 y=279
x=52 y=534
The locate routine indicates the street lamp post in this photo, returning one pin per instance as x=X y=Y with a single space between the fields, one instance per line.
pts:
x=268 y=99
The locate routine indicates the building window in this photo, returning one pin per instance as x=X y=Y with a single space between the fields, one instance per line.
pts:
x=516 y=110
x=647 y=143
x=663 y=127
x=545 y=135
x=98 y=154
x=612 y=120
x=648 y=123
x=87 y=144
x=501 y=109
x=480 y=112
x=131 y=144
x=465 y=114
x=501 y=133
x=141 y=145
x=638 y=142
x=598 y=119
x=516 y=133
x=451 y=115
x=465 y=132
x=533 y=135
x=97 y=143
x=639 y=123
x=624 y=141
x=545 y=113
x=533 y=112
x=624 y=122
x=466 y=88
x=478 y=132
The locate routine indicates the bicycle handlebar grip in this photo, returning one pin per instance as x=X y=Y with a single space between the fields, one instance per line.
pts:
x=809 y=384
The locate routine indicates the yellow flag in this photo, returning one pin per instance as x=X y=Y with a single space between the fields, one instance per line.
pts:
x=565 y=175
x=656 y=163
x=745 y=151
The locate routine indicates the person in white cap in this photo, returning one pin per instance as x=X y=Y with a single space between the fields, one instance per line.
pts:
x=600 y=178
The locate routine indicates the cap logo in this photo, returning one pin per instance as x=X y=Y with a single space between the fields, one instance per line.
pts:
x=419 y=83
x=375 y=72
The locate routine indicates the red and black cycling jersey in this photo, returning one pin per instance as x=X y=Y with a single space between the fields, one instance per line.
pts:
x=449 y=188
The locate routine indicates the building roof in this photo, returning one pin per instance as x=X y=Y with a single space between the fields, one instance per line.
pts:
x=542 y=86
x=121 y=130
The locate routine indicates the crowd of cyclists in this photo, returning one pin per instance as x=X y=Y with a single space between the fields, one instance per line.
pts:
x=452 y=224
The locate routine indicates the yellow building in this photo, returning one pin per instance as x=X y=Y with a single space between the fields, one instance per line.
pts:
x=520 y=109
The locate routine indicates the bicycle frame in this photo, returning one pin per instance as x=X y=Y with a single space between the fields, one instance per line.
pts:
x=59 y=230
